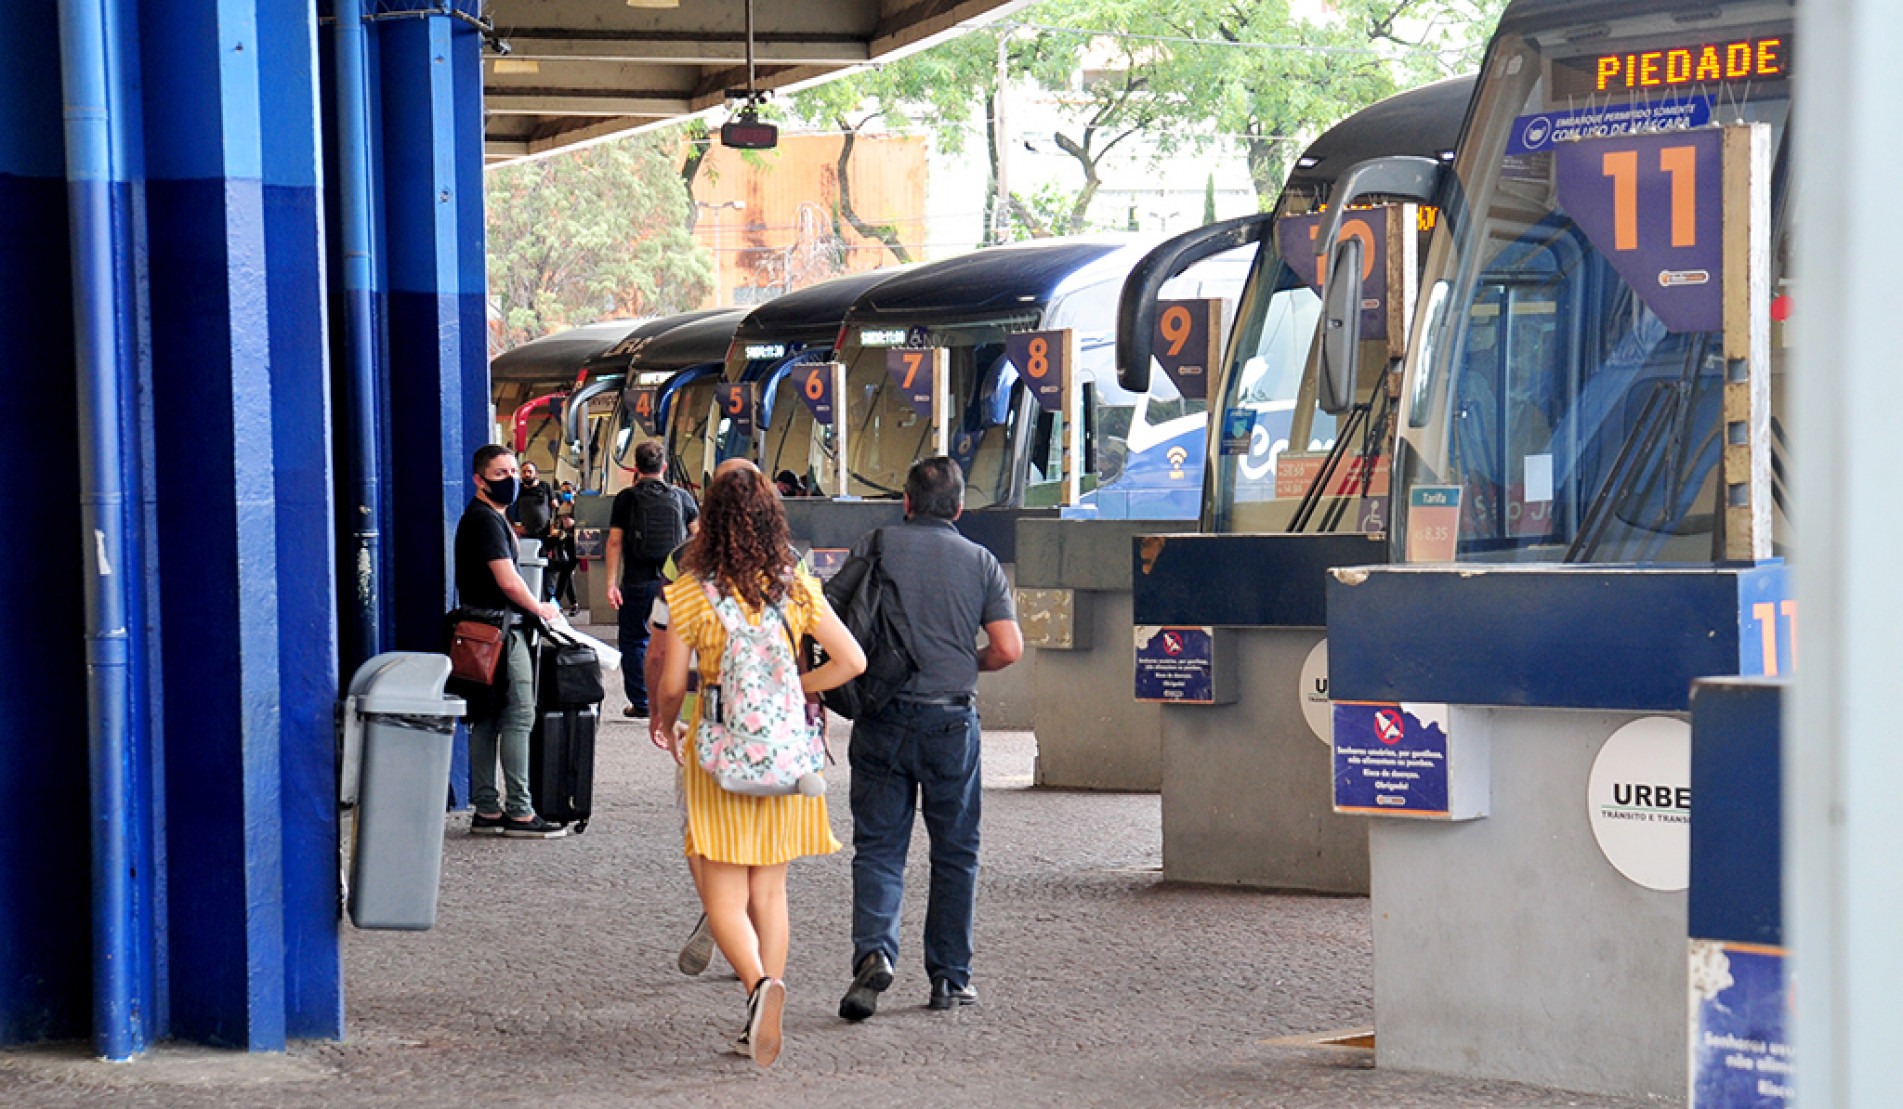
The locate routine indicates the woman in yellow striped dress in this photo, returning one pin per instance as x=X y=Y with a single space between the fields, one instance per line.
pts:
x=745 y=842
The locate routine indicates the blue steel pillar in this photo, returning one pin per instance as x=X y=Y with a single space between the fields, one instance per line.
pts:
x=211 y=344
x=45 y=975
x=306 y=561
x=431 y=186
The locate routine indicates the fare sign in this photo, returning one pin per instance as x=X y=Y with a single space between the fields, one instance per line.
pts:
x=1039 y=357
x=816 y=389
x=736 y=405
x=1653 y=206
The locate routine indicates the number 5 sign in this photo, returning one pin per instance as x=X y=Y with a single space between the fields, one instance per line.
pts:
x=736 y=406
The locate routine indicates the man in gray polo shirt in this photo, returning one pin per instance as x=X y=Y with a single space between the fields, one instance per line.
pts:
x=922 y=748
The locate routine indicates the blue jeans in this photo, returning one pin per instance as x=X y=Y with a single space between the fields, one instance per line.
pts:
x=637 y=602
x=505 y=735
x=906 y=756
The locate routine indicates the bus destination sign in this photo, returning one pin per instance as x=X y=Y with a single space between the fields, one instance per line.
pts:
x=1766 y=58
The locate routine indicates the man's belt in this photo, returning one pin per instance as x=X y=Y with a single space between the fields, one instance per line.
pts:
x=966 y=699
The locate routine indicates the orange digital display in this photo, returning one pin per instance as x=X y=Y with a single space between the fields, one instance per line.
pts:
x=1763 y=58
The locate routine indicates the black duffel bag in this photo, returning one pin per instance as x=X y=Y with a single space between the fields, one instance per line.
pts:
x=571 y=673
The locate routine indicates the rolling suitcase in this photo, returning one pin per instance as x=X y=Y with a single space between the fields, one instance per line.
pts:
x=562 y=765
x=562 y=743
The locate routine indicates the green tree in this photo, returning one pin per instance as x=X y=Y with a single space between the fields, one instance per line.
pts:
x=591 y=234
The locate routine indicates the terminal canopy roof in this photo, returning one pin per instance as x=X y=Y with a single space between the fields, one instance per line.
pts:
x=578 y=70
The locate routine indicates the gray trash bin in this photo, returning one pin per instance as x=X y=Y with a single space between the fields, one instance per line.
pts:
x=532 y=566
x=397 y=713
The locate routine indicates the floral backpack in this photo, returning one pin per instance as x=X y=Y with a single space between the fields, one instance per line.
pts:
x=755 y=736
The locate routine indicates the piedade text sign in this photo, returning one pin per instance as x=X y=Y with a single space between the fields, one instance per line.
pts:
x=1761 y=58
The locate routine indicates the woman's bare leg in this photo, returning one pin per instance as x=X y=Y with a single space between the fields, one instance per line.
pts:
x=766 y=907
x=724 y=894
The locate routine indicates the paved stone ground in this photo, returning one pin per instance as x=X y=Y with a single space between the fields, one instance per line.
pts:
x=550 y=980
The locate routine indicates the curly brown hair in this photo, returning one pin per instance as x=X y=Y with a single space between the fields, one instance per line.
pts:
x=743 y=546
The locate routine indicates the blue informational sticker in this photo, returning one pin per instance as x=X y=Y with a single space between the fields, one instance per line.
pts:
x=1389 y=761
x=1238 y=426
x=1653 y=205
x=1741 y=1046
x=1535 y=133
x=736 y=406
x=1176 y=665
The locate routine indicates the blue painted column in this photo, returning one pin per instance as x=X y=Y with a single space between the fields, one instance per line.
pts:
x=429 y=69
x=45 y=976
x=213 y=454
x=306 y=548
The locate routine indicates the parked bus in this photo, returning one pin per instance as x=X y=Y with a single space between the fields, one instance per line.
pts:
x=676 y=370
x=797 y=329
x=1135 y=463
x=588 y=425
x=1558 y=388
x=1265 y=390
x=547 y=365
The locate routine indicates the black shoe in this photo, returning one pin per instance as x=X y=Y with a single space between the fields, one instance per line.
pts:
x=862 y=998
x=634 y=712
x=947 y=996
x=480 y=825
x=533 y=828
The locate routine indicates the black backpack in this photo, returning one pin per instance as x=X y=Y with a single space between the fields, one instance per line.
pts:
x=658 y=524
x=868 y=602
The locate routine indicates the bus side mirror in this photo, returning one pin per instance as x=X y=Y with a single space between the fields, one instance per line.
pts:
x=1341 y=328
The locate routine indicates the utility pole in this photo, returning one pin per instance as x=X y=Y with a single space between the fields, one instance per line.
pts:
x=1001 y=207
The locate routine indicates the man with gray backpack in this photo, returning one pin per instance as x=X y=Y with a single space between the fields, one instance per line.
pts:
x=915 y=747
x=650 y=518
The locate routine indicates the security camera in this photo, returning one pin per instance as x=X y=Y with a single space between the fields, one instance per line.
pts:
x=502 y=48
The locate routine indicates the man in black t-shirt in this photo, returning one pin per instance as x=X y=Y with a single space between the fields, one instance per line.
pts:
x=486 y=578
x=534 y=505
x=650 y=519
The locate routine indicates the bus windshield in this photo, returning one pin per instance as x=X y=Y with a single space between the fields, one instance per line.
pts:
x=885 y=434
x=1545 y=396
x=690 y=415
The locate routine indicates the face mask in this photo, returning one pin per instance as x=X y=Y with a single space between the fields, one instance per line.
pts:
x=502 y=490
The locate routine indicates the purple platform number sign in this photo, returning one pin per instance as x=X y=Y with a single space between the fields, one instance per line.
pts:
x=736 y=406
x=1653 y=205
x=1187 y=343
x=644 y=403
x=1295 y=237
x=1039 y=357
x=911 y=373
x=816 y=389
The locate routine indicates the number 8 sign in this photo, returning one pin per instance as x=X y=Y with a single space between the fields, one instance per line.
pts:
x=1039 y=357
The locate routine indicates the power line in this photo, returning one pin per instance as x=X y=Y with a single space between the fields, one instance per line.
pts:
x=1297 y=48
